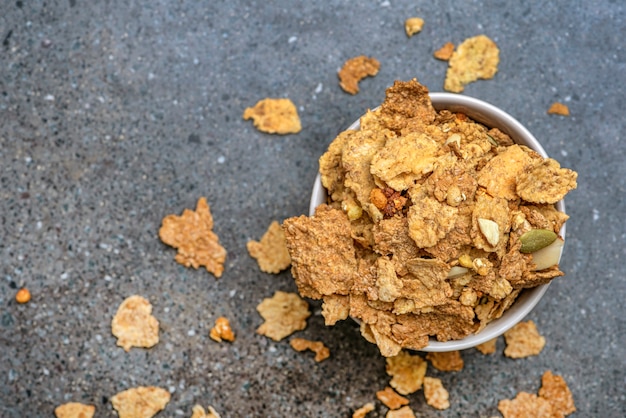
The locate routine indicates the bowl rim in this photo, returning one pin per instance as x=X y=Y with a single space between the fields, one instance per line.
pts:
x=490 y=116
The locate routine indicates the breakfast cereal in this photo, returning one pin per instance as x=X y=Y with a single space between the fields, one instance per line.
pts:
x=284 y=313
x=274 y=116
x=474 y=58
x=140 y=402
x=321 y=351
x=134 y=325
x=354 y=70
x=271 y=252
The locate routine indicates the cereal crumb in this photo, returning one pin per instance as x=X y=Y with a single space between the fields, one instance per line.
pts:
x=445 y=52
x=133 y=325
x=407 y=372
x=354 y=70
x=271 y=252
x=284 y=313
x=198 y=412
x=391 y=399
x=523 y=340
x=404 y=412
x=525 y=405
x=74 y=410
x=474 y=58
x=321 y=351
x=363 y=411
x=192 y=234
x=558 y=109
x=140 y=402
x=274 y=116
x=413 y=25
x=554 y=389
x=450 y=361
x=436 y=395
x=488 y=347
x=222 y=330
x=22 y=296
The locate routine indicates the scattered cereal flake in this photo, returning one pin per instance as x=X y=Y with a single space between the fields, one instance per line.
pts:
x=335 y=308
x=404 y=412
x=140 y=402
x=274 y=116
x=445 y=52
x=546 y=182
x=284 y=313
x=192 y=234
x=198 y=412
x=558 y=109
x=525 y=405
x=413 y=25
x=271 y=252
x=488 y=347
x=321 y=351
x=554 y=389
x=363 y=411
x=74 y=410
x=222 y=330
x=391 y=399
x=407 y=372
x=354 y=70
x=134 y=325
x=450 y=361
x=436 y=395
x=523 y=340
x=474 y=58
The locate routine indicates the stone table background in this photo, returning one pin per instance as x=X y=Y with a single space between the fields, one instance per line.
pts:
x=116 y=113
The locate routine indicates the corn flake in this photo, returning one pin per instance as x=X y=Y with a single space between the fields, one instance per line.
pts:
x=271 y=252
x=554 y=389
x=140 y=402
x=488 y=347
x=413 y=25
x=363 y=411
x=436 y=395
x=192 y=234
x=525 y=405
x=445 y=52
x=354 y=70
x=474 y=58
x=133 y=325
x=407 y=372
x=335 y=308
x=391 y=399
x=546 y=182
x=557 y=108
x=74 y=410
x=198 y=412
x=450 y=361
x=284 y=313
x=404 y=412
x=321 y=351
x=523 y=340
x=222 y=330
x=274 y=116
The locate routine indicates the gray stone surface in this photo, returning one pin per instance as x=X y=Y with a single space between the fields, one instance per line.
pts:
x=116 y=113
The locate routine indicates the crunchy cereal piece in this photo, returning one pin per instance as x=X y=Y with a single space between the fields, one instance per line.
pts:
x=22 y=296
x=445 y=52
x=407 y=372
x=525 y=405
x=363 y=411
x=436 y=395
x=488 y=347
x=413 y=25
x=404 y=412
x=495 y=209
x=354 y=70
x=271 y=252
x=523 y=340
x=192 y=234
x=545 y=182
x=430 y=221
x=391 y=399
x=407 y=108
x=134 y=325
x=140 y=402
x=499 y=175
x=198 y=412
x=74 y=410
x=322 y=252
x=450 y=361
x=284 y=313
x=474 y=58
x=274 y=116
x=335 y=308
x=222 y=330
x=558 y=109
x=321 y=351
x=391 y=236
x=554 y=389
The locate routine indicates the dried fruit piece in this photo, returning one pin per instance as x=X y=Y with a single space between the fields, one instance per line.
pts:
x=274 y=116
x=222 y=330
x=523 y=340
x=525 y=405
x=407 y=372
x=354 y=70
x=134 y=325
x=536 y=239
x=198 y=412
x=22 y=296
x=450 y=361
x=74 y=410
x=554 y=389
x=546 y=182
x=436 y=395
x=445 y=52
x=140 y=402
x=391 y=399
x=192 y=234
x=558 y=109
x=363 y=411
x=271 y=252
x=321 y=351
x=404 y=412
x=474 y=58
x=284 y=313
x=488 y=347
x=413 y=25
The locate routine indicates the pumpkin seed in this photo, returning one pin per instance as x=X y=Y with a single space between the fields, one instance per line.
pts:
x=536 y=239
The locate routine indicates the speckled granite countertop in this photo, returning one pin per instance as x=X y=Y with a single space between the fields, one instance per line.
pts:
x=114 y=114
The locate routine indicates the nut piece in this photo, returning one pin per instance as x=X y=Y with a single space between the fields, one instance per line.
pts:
x=536 y=239
x=22 y=295
x=490 y=230
x=413 y=25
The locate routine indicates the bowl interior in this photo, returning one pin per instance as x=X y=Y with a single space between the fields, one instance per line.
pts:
x=491 y=117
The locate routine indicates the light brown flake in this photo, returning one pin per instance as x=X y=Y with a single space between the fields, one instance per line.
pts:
x=140 y=402
x=321 y=351
x=198 y=412
x=391 y=399
x=488 y=347
x=335 y=308
x=74 y=410
x=363 y=411
x=445 y=52
x=407 y=372
x=404 y=412
x=133 y=325
x=430 y=221
x=450 y=361
x=413 y=25
x=284 y=313
x=475 y=58
x=554 y=389
x=545 y=182
x=499 y=175
x=523 y=340
x=192 y=234
x=271 y=252
x=354 y=70
x=525 y=405
x=222 y=331
x=436 y=395
x=274 y=116
x=557 y=108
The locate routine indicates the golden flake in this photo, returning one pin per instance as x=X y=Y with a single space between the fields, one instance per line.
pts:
x=274 y=116
x=134 y=325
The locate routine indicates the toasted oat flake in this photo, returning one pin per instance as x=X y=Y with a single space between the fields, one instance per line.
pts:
x=525 y=405
x=557 y=108
x=284 y=313
x=134 y=325
x=363 y=411
x=391 y=399
x=407 y=372
x=271 y=252
x=546 y=182
x=354 y=70
x=413 y=25
x=274 y=116
x=404 y=412
x=436 y=395
x=74 y=410
x=222 y=331
x=199 y=412
x=449 y=361
x=554 y=389
x=488 y=347
x=321 y=351
x=475 y=58
x=445 y=52
x=140 y=402
x=192 y=234
x=523 y=340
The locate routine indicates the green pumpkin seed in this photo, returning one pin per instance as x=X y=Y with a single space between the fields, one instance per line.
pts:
x=536 y=239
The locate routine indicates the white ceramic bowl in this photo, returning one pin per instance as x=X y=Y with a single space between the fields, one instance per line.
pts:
x=491 y=117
